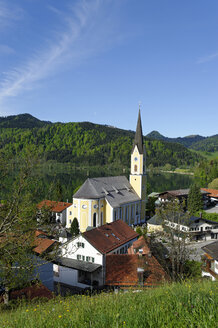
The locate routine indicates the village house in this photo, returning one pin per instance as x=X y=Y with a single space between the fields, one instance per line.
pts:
x=81 y=262
x=154 y=224
x=210 y=259
x=137 y=268
x=57 y=211
x=197 y=228
x=43 y=243
x=107 y=199
x=212 y=195
x=180 y=195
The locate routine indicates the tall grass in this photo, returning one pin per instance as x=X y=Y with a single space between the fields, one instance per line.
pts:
x=177 y=305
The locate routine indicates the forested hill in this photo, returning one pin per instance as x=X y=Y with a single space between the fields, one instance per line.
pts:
x=185 y=141
x=209 y=144
x=196 y=142
x=91 y=144
x=21 y=121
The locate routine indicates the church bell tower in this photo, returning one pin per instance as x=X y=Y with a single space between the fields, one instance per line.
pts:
x=138 y=168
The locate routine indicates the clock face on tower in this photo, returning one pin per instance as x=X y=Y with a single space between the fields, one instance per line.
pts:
x=135 y=158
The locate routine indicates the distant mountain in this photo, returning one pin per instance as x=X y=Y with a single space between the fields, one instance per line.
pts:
x=156 y=135
x=209 y=144
x=21 y=121
x=188 y=141
x=86 y=143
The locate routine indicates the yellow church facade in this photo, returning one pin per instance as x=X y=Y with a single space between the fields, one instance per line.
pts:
x=107 y=199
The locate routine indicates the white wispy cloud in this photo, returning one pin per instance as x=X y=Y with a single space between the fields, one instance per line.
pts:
x=9 y=13
x=207 y=58
x=70 y=44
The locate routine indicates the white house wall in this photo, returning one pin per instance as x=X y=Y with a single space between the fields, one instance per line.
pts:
x=70 y=250
x=203 y=226
x=214 y=266
x=67 y=276
x=61 y=217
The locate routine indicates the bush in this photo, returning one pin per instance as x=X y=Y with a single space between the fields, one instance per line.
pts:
x=192 y=269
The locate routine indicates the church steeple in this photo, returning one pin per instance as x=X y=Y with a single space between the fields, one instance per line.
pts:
x=138 y=141
x=138 y=168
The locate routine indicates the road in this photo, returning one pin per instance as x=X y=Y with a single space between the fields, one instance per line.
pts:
x=195 y=248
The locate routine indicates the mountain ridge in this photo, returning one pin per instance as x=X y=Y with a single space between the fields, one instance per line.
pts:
x=196 y=142
x=88 y=143
x=22 y=121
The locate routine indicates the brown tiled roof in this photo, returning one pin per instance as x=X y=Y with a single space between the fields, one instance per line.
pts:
x=179 y=192
x=212 y=250
x=53 y=205
x=42 y=245
x=121 y=270
x=31 y=292
x=176 y=193
x=110 y=236
x=40 y=233
x=212 y=192
x=139 y=244
x=156 y=272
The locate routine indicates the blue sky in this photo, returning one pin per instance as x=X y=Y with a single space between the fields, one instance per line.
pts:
x=95 y=60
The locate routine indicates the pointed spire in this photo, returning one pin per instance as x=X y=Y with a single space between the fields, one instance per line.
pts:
x=138 y=141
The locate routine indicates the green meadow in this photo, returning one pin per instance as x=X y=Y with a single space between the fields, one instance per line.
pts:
x=177 y=305
x=208 y=155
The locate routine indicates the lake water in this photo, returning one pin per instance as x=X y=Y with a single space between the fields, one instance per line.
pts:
x=67 y=178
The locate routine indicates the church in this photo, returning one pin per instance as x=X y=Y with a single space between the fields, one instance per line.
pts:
x=107 y=199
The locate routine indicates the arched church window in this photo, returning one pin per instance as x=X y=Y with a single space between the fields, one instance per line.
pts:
x=94 y=220
x=135 y=168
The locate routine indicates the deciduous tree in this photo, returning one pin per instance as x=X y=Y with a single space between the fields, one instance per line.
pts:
x=17 y=220
x=174 y=221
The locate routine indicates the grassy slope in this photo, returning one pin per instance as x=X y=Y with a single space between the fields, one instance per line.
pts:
x=209 y=144
x=207 y=155
x=179 y=305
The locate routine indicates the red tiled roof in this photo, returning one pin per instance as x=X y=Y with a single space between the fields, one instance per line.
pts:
x=53 y=205
x=42 y=245
x=31 y=292
x=137 y=245
x=121 y=270
x=40 y=232
x=110 y=236
x=212 y=192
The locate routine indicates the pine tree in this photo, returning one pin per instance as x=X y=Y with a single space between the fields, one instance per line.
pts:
x=74 y=229
x=195 y=202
